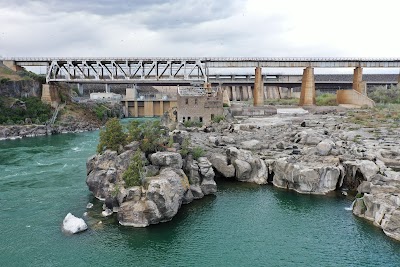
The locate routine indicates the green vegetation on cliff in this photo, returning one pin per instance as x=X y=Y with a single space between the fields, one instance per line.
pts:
x=134 y=174
x=112 y=136
x=150 y=135
x=15 y=111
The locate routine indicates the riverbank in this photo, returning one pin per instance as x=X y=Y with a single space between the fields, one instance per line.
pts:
x=13 y=132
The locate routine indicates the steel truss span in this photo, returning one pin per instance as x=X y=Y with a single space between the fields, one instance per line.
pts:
x=130 y=70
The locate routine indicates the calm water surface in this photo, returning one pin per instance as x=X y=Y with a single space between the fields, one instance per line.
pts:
x=43 y=178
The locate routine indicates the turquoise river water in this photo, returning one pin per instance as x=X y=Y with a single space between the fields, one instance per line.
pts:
x=43 y=178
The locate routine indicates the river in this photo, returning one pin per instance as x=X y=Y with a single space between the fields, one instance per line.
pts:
x=43 y=178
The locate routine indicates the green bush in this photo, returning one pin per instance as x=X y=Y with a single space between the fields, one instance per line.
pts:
x=185 y=147
x=151 y=135
x=381 y=94
x=192 y=124
x=133 y=175
x=218 y=118
x=112 y=137
x=326 y=99
x=134 y=131
x=4 y=80
x=100 y=112
x=197 y=152
x=35 y=110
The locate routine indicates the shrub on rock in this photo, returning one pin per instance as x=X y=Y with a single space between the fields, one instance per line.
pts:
x=112 y=137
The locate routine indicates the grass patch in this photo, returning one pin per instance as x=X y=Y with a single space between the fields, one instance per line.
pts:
x=326 y=99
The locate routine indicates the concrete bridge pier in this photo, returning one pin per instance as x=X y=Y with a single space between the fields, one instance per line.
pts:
x=307 y=95
x=107 y=88
x=50 y=94
x=80 y=89
x=11 y=65
x=234 y=93
x=250 y=92
x=245 y=93
x=258 y=94
x=358 y=83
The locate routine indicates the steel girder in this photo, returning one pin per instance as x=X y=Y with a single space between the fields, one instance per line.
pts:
x=125 y=70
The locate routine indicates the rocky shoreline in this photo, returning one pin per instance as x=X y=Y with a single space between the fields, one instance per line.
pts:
x=13 y=132
x=307 y=153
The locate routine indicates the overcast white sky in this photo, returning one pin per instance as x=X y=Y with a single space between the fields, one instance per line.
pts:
x=183 y=28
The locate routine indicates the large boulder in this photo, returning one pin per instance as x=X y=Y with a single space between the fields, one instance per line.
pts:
x=73 y=225
x=208 y=185
x=325 y=147
x=220 y=164
x=105 y=170
x=167 y=159
x=248 y=168
x=164 y=196
x=304 y=178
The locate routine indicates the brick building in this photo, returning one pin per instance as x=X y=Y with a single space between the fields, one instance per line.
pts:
x=199 y=104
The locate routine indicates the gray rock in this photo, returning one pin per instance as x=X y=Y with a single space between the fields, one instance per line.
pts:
x=167 y=159
x=197 y=192
x=251 y=144
x=303 y=178
x=220 y=163
x=243 y=170
x=325 y=147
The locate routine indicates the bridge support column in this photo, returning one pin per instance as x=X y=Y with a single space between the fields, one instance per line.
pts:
x=358 y=84
x=245 y=94
x=398 y=80
x=225 y=97
x=80 y=89
x=265 y=88
x=307 y=95
x=258 y=95
x=107 y=88
x=250 y=92
x=233 y=93
x=50 y=95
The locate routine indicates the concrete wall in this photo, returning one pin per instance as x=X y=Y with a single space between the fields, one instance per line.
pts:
x=147 y=108
x=353 y=97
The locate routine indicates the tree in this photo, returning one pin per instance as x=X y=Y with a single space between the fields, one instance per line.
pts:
x=133 y=175
x=153 y=136
x=134 y=131
x=112 y=137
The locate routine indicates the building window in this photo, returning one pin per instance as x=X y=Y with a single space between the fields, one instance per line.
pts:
x=201 y=119
x=189 y=118
x=183 y=119
x=187 y=101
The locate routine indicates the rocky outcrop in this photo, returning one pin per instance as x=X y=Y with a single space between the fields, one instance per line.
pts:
x=21 y=131
x=160 y=203
x=380 y=203
x=305 y=178
x=164 y=189
x=22 y=88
